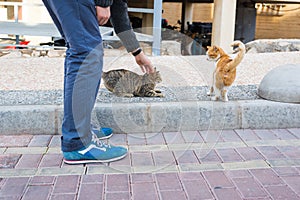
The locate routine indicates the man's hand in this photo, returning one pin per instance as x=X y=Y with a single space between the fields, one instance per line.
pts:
x=103 y=14
x=144 y=63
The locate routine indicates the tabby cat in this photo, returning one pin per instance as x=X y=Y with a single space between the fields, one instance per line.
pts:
x=225 y=69
x=125 y=83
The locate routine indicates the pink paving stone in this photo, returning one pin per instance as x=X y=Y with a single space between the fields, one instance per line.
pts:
x=117 y=183
x=295 y=132
x=42 y=180
x=66 y=184
x=283 y=134
x=63 y=197
x=238 y=174
x=249 y=153
x=208 y=156
x=265 y=134
x=29 y=161
x=291 y=152
x=143 y=191
x=212 y=136
x=227 y=194
x=293 y=182
x=118 y=139
x=249 y=188
x=229 y=155
x=51 y=160
x=187 y=156
x=14 y=187
x=141 y=159
x=55 y=141
x=37 y=192
x=217 y=179
x=270 y=152
x=123 y=162
x=230 y=136
x=186 y=176
x=286 y=171
x=9 y=161
x=141 y=178
x=117 y=196
x=15 y=140
x=168 y=181
x=155 y=138
x=247 y=134
x=91 y=191
x=95 y=178
x=282 y=192
x=266 y=177
x=173 y=195
x=40 y=141
x=192 y=137
x=163 y=158
x=197 y=189
x=173 y=137
x=136 y=139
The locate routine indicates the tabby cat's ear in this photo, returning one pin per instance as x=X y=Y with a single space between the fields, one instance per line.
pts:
x=155 y=69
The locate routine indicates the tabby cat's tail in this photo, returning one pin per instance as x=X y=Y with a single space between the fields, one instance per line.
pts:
x=241 y=50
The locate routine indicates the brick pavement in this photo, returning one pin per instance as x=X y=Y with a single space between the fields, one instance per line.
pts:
x=229 y=164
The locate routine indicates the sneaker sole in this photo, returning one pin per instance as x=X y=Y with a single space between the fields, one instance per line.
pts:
x=75 y=162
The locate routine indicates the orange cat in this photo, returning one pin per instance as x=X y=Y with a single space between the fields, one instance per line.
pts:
x=225 y=71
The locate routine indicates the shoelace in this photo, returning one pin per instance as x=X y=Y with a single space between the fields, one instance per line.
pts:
x=99 y=143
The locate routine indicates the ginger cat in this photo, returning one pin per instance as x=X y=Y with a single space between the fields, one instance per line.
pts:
x=225 y=71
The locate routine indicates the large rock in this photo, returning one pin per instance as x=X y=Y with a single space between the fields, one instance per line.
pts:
x=282 y=84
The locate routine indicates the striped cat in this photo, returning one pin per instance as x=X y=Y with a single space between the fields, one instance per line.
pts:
x=225 y=69
x=125 y=83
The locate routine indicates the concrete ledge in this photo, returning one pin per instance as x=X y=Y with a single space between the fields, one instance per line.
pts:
x=157 y=116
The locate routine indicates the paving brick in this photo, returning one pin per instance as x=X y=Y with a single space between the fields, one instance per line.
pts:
x=238 y=174
x=173 y=195
x=14 y=140
x=295 y=132
x=55 y=141
x=40 y=141
x=266 y=177
x=141 y=178
x=63 y=197
x=51 y=160
x=136 y=139
x=118 y=139
x=217 y=179
x=284 y=134
x=270 y=152
x=123 y=162
x=187 y=156
x=227 y=194
x=208 y=156
x=247 y=134
x=9 y=161
x=290 y=151
x=14 y=187
x=229 y=155
x=265 y=134
x=293 y=182
x=42 y=180
x=197 y=189
x=189 y=176
x=286 y=171
x=37 y=192
x=192 y=137
x=173 y=137
x=117 y=195
x=212 y=136
x=249 y=153
x=66 y=184
x=249 y=188
x=155 y=138
x=282 y=192
x=168 y=181
x=95 y=178
x=117 y=183
x=141 y=158
x=230 y=136
x=29 y=161
x=91 y=191
x=163 y=158
x=142 y=191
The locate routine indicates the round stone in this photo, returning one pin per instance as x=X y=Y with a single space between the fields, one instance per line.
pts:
x=282 y=84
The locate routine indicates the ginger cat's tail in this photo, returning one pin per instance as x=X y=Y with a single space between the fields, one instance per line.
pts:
x=240 y=50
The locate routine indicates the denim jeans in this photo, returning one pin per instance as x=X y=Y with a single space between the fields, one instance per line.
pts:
x=76 y=20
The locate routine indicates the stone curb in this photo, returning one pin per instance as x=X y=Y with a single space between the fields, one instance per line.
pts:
x=157 y=116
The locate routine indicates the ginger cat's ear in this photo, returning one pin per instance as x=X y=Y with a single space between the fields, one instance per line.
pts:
x=215 y=48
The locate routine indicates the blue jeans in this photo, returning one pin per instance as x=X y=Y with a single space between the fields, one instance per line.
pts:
x=76 y=20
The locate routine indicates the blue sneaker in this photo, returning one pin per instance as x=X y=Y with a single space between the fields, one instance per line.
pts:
x=103 y=133
x=96 y=152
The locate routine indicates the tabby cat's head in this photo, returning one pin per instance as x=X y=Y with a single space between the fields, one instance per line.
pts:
x=155 y=76
x=213 y=53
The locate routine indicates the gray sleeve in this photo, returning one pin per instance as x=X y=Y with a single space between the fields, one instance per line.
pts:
x=121 y=23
